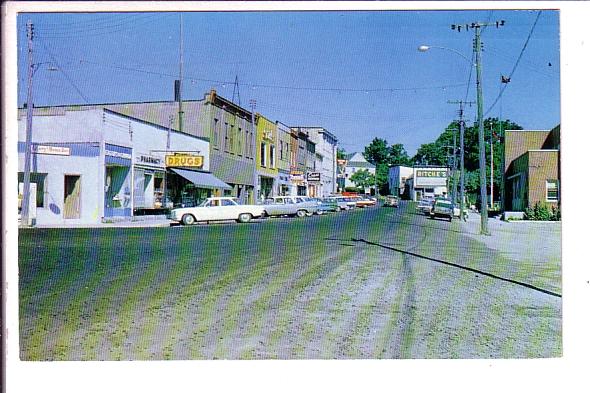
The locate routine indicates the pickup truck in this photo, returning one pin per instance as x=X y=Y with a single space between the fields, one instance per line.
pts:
x=217 y=209
x=289 y=206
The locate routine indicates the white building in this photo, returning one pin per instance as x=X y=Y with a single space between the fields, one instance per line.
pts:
x=356 y=162
x=397 y=177
x=326 y=145
x=93 y=165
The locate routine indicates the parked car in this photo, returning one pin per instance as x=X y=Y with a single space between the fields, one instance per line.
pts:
x=217 y=209
x=364 y=201
x=425 y=205
x=391 y=201
x=442 y=208
x=326 y=205
x=345 y=203
x=289 y=206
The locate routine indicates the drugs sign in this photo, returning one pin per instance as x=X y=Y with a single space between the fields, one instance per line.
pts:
x=184 y=160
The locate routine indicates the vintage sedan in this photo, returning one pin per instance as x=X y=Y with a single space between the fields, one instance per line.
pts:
x=326 y=205
x=391 y=201
x=345 y=203
x=363 y=201
x=289 y=206
x=217 y=209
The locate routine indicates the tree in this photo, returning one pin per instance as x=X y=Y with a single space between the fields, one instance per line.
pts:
x=398 y=155
x=363 y=179
x=377 y=152
x=340 y=154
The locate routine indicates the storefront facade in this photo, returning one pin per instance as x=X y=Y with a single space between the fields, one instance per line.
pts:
x=97 y=165
x=266 y=158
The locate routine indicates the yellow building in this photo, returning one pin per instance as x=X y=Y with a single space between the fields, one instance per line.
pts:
x=266 y=157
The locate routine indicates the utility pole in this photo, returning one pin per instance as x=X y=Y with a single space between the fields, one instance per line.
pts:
x=29 y=132
x=254 y=157
x=492 y=166
x=462 y=149
x=482 y=157
x=180 y=112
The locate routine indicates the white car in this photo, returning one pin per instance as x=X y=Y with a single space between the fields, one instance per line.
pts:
x=217 y=209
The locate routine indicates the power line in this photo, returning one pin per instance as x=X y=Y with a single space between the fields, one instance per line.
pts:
x=104 y=30
x=515 y=65
x=469 y=78
x=63 y=72
x=283 y=87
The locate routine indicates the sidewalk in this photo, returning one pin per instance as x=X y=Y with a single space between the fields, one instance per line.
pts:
x=519 y=240
x=147 y=223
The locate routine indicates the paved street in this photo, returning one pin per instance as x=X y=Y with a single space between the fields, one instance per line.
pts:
x=369 y=283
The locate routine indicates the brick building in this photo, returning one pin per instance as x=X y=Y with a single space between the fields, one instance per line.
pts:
x=531 y=168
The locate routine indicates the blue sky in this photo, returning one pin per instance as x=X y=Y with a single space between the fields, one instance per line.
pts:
x=358 y=74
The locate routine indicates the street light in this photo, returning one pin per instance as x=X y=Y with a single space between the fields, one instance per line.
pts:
x=425 y=48
x=483 y=191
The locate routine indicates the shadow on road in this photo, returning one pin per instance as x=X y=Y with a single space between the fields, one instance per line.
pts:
x=450 y=264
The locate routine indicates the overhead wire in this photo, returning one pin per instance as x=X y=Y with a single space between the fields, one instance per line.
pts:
x=54 y=60
x=515 y=64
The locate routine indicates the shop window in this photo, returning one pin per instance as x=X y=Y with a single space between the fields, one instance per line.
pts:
x=552 y=190
x=40 y=180
x=272 y=156
x=216 y=133
x=231 y=139
x=239 y=140
x=262 y=154
x=226 y=138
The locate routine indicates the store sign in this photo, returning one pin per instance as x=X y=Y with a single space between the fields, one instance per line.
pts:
x=53 y=150
x=313 y=176
x=117 y=154
x=297 y=176
x=430 y=177
x=148 y=160
x=184 y=160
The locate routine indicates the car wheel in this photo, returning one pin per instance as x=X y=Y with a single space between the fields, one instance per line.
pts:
x=244 y=217
x=188 y=219
x=309 y=214
x=450 y=219
x=320 y=212
x=300 y=213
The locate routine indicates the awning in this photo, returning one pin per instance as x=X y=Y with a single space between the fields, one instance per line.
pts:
x=202 y=179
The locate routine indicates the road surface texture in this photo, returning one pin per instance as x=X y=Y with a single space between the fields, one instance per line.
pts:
x=370 y=283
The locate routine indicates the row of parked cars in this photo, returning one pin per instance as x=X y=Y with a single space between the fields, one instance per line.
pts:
x=229 y=208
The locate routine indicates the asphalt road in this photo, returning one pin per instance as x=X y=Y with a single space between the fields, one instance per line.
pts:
x=370 y=283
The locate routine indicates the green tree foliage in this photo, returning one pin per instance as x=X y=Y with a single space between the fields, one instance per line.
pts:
x=340 y=154
x=383 y=157
x=363 y=179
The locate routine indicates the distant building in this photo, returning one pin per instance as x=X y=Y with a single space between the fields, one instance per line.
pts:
x=356 y=162
x=326 y=145
x=397 y=180
x=531 y=168
x=428 y=181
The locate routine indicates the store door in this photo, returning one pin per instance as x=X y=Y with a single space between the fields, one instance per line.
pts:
x=71 y=196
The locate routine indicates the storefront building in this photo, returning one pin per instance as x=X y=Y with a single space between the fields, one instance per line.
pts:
x=284 y=185
x=326 y=145
x=93 y=165
x=532 y=168
x=227 y=126
x=266 y=162
x=428 y=181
